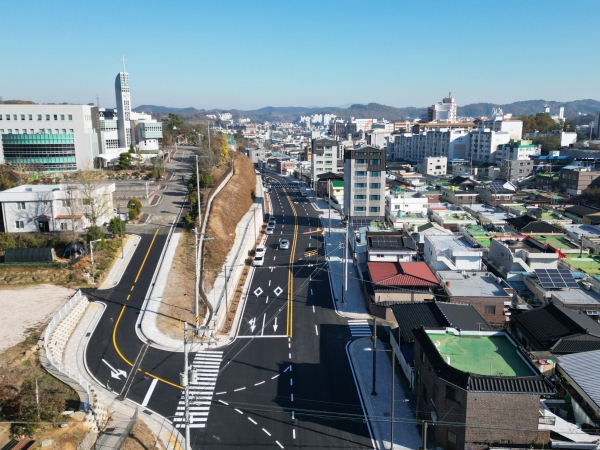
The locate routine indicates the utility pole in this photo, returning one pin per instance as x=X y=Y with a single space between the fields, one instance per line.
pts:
x=393 y=386
x=374 y=355
x=329 y=203
x=185 y=381
x=198 y=190
x=424 y=443
x=345 y=261
x=197 y=277
x=92 y=256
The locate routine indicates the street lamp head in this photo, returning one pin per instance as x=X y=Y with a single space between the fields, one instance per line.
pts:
x=95 y=240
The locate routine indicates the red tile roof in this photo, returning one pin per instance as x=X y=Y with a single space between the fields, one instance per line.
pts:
x=403 y=274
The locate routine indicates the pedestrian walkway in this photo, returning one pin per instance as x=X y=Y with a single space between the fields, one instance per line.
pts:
x=359 y=328
x=206 y=364
x=119 y=266
x=407 y=434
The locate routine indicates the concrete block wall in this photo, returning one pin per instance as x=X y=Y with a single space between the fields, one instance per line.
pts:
x=62 y=332
x=97 y=417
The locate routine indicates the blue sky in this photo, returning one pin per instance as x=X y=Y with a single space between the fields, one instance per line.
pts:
x=247 y=54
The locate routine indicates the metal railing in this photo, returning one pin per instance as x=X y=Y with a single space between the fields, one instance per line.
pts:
x=126 y=431
x=71 y=373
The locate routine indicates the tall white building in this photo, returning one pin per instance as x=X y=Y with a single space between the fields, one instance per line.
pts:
x=444 y=111
x=433 y=165
x=58 y=138
x=364 y=182
x=323 y=158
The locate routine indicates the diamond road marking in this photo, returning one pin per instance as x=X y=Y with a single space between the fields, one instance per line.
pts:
x=278 y=291
x=258 y=291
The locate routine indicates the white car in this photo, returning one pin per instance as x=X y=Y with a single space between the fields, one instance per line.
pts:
x=269 y=230
x=258 y=261
x=260 y=250
x=284 y=244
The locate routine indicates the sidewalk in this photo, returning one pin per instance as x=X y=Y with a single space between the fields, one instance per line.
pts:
x=407 y=435
x=119 y=266
x=120 y=412
x=355 y=306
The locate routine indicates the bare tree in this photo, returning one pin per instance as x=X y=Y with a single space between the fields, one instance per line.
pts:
x=94 y=194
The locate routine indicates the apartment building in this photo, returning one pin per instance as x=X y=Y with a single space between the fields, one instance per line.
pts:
x=433 y=165
x=444 y=111
x=323 y=158
x=517 y=150
x=516 y=169
x=364 y=182
x=575 y=180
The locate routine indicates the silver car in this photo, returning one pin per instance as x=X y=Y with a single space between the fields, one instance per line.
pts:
x=284 y=244
x=269 y=230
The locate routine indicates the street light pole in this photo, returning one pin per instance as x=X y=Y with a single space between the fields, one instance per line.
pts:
x=92 y=257
x=198 y=190
x=374 y=355
x=197 y=277
x=185 y=382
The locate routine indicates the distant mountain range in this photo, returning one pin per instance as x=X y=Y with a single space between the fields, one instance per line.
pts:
x=378 y=111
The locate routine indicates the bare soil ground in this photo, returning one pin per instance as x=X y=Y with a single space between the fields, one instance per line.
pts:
x=177 y=304
x=141 y=438
x=228 y=208
x=28 y=307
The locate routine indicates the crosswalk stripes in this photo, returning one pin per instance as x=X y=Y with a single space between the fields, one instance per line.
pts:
x=275 y=185
x=206 y=363
x=359 y=328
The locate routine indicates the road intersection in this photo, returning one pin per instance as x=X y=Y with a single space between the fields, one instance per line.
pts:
x=284 y=381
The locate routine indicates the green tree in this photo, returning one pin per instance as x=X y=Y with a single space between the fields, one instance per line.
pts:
x=134 y=204
x=94 y=232
x=548 y=143
x=131 y=148
x=124 y=160
x=116 y=226
x=541 y=122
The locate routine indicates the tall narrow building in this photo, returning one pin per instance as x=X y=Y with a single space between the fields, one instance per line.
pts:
x=124 y=109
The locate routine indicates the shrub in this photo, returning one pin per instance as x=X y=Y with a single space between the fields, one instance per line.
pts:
x=133 y=213
x=7 y=240
x=188 y=222
x=134 y=203
x=94 y=232
x=116 y=226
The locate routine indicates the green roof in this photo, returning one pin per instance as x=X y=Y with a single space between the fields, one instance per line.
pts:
x=482 y=355
x=337 y=184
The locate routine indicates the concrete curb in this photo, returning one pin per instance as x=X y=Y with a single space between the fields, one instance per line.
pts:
x=118 y=269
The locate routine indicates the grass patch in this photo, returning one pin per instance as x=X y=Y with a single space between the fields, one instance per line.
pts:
x=587 y=264
x=228 y=208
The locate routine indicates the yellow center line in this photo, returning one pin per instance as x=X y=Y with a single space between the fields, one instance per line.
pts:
x=290 y=309
x=114 y=336
x=132 y=287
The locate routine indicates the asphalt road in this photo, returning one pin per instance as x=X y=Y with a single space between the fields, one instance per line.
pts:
x=272 y=390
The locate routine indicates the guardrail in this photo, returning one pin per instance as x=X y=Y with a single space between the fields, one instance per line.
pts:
x=71 y=373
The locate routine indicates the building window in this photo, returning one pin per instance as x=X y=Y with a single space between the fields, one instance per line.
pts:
x=70 y=117
x=55 y=116
x=8 y=117
x=375 y=185
x=359 y=208
x=62 y=117
x=30 y=117
x=375 y=174
x=47 y=116
x=19 y=224
x=39 y=117
x=374 y=197
x=63 y=226
x=22 y=116
x=451 y=440
x=71 y=130
x=14 y=116
x=20 y=205
x=489 y=309
x=374 y=209
x=359 y=197
x=360 y=185
x=375 y=162
x=361 y=174
x=64 y=131
x=361 y=161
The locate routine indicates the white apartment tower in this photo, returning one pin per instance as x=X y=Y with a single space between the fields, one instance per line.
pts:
x=124 y=108
x=364 y=182
x=445 y=111
x=323 y=158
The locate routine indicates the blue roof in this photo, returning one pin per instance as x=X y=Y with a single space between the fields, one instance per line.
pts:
x=548 y=157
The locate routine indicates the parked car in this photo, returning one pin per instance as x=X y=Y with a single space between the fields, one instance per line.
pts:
x=270 y=230
x=260 y=250
x=284 y=244
x=258 y=261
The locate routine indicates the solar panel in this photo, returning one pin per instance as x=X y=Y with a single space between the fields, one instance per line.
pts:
x=385 y=241
x=556 y=278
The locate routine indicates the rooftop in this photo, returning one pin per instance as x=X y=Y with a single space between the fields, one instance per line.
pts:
x=454 y=243
x=483 y=353
x=473 y=284
x=525 y=244
x=558 y=242
x=577 y=297
x=400 y=274
x=587 y=263
x=583 y=368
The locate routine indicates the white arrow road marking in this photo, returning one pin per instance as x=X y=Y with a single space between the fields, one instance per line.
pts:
x=115 y=373
x=252 y=324
x=274 y=326
x=288 y=368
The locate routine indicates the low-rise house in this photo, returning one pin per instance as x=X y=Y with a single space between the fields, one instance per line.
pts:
x=579 y=375
x=531 y=225
x=458 y=195
x=452 y=218
x=555 y=329
x=519 y=254
x=578 y=212
x=486 y=214
x=496 y=192
x=574 y=180
x=452 y=253
x=403 y=208
x=395 y=282
x=57 y=207
x=546 y=181
x=587 y=236
x=412 y=316
x=479 y=387
x=390 y=246
x=418 y=233
x=491 y=296
x=592 y=219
